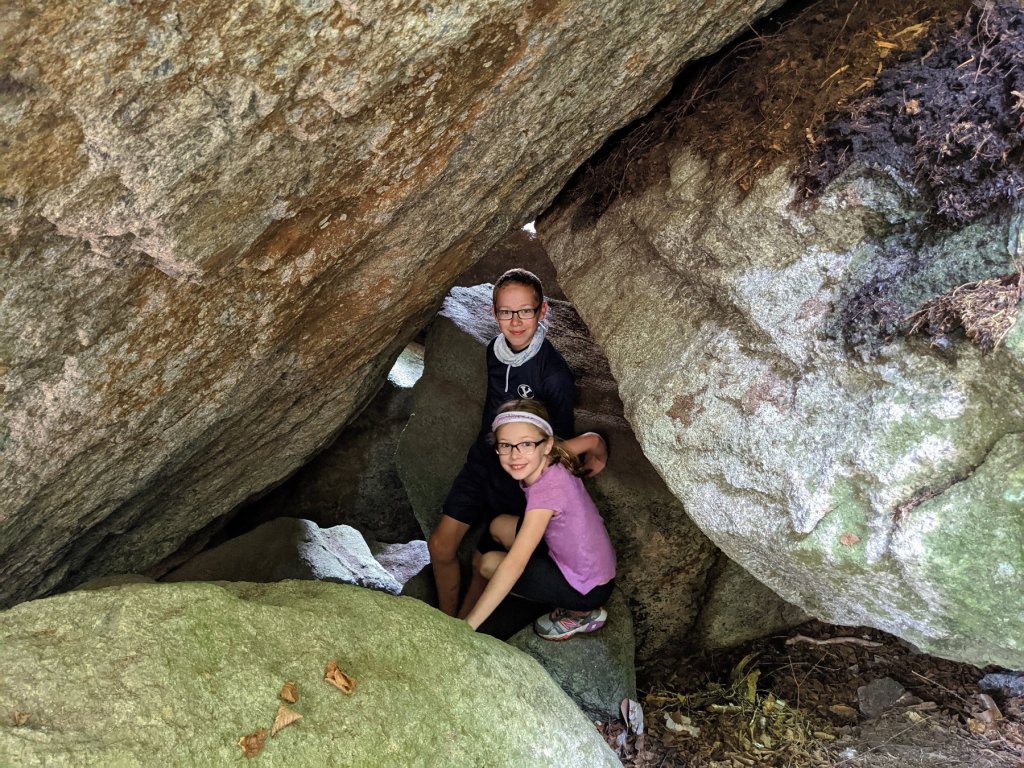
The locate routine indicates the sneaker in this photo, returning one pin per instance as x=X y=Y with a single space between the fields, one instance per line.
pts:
x=561 y=624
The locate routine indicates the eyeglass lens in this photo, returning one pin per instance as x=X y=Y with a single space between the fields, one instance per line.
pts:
x=523 y=314
x=525 y=448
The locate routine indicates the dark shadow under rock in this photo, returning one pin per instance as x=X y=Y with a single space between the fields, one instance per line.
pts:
x=288 y=548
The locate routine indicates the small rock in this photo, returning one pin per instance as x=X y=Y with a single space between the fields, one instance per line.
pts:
x=878 y=696
x=1007 y=683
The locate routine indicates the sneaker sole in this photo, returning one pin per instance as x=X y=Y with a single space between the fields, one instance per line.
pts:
x=579 y=630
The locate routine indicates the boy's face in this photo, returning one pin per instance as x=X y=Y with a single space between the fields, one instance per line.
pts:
x=517 y=331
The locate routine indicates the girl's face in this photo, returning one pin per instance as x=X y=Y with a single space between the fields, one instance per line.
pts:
x=525 y=463
x=517 y=331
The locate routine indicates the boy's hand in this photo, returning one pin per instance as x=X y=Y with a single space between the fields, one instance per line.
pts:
x=596 y=457
x=591 y=449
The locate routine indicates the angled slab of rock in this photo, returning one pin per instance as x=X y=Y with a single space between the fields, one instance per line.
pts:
x=354 y=481
x=884 y=490
x=176 y=674
x=596 y=670
x=403 y=561
x=289 y=548
x=737 y=608
x=219 y=224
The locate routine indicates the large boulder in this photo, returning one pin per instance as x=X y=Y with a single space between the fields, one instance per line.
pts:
x=880 y=486
x=664 y=559
x=176 y=674
x=220 y=223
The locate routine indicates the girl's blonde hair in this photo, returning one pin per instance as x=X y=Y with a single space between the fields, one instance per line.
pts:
x=559 y=454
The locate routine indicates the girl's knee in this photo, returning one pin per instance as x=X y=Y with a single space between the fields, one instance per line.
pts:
x=503 y=529
x=489 y=563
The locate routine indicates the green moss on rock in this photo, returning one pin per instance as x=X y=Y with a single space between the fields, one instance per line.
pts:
x=162 y=674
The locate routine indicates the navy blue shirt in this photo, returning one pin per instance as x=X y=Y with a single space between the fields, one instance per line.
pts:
x=483 y=489
x=545 y=377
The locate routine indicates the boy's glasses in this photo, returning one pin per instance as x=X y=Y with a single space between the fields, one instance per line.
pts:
x=524 y=314
x=525 y=448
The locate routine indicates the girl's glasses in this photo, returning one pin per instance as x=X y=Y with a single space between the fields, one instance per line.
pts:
x=525 y=448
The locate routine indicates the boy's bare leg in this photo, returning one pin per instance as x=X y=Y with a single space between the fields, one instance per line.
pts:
x=476 y=587
x=443 y=545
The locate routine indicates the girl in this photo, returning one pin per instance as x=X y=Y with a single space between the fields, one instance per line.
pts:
x=559 y=553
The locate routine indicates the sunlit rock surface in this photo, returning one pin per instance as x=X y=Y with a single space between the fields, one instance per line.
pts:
x=176 y=674
x=221 y=223
x=883 y=490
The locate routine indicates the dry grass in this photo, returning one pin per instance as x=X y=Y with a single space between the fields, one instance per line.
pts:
x=985 y=309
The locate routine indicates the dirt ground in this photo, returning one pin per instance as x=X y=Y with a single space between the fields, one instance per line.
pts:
x=793 y=701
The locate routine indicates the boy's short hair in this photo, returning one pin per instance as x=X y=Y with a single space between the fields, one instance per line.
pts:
x=518 y=276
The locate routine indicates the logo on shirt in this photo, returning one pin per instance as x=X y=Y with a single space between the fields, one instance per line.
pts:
x=525 y=391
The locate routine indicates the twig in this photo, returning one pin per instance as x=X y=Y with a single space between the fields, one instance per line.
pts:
x=833 y=641
x=939 y=685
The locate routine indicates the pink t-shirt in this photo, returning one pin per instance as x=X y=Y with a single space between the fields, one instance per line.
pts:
x=576 y=536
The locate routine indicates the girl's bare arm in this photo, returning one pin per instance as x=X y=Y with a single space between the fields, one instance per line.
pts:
x=511 y=568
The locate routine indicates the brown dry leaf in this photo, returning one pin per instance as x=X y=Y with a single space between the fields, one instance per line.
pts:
x=252 y=744
x=976 y=726
x=849 y=539
x=339 y=679
x=290 y=692
x=20 y=718
x=843 y=711
x=285 y=717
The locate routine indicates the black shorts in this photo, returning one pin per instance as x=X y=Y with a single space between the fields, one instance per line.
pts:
x=542 y=582
x=483 y=490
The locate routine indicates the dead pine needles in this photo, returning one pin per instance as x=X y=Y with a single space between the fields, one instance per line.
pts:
x=985 y=309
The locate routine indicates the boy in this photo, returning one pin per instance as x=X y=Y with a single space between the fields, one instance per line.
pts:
x=521 y=364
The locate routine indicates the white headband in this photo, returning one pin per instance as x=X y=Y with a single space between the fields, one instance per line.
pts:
x=509 y=417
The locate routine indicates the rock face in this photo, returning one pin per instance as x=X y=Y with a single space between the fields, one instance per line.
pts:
x=176 y=674
x=664 y=559
x=886 y=489
x=221 y=224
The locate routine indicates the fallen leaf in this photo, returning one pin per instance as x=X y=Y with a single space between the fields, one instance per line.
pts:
x=849 y=539
x=843 y=711
x=285 y=717
x=976 y=726
x=339 y=679
x=681 y=724
x=290 y=692
x=252 y=744
x=20 y=718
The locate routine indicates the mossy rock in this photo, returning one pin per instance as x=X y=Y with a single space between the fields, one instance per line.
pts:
x=176 y=674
